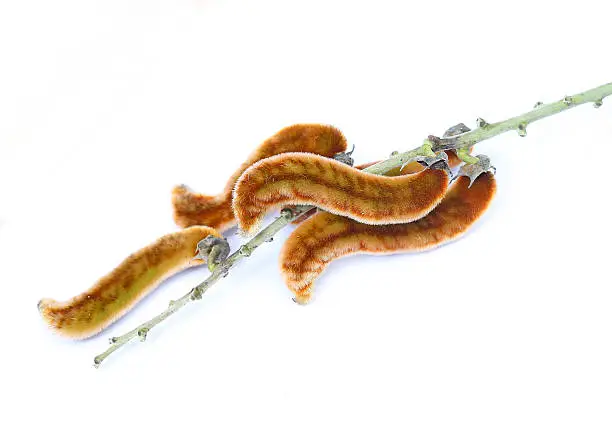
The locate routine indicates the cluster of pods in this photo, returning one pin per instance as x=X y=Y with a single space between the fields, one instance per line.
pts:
x=414 y=208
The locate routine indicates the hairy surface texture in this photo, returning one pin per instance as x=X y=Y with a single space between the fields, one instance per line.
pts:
x=409 y=168
x=114 y=294
x=191 y=208
x=311 y=212
x=325 y=237
x=307 y=179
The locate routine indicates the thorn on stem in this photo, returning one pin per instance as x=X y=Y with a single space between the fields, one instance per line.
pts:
x=538 y=104
x=224 y=270
x=196 y=293
x=394 y=153
x=481 y=123
x=597 y=103
x=522 y=129
x=171 y=304
x=568 y=100
x=245 y=251
x=286 y=213
x=142 y=333
x=113 y=340
x=97 y=362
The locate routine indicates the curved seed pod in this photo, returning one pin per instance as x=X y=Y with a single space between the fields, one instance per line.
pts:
x=325 y=237
x=409 y=168
x=115 y=294
x=191 y=208
x=307 y=179
x=311 y=212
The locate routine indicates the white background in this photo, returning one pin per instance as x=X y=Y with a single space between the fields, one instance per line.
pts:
x=105 y=105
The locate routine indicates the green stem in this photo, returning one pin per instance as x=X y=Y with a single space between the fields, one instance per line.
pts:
x=519 y=123
x=400 y=159
x=460 y=142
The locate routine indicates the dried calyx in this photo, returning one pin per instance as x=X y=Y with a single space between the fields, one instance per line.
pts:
x=473 y=171
x=213 y=250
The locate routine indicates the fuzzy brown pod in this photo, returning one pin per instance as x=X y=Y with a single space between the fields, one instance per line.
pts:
x=307 y=179
x=117 y=292
x=325 y=236
x=191 y=208
x=409 y=168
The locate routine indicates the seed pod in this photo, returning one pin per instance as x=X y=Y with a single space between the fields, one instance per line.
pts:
x=115 y=294
x=307 y=179
x=191 y=208
x=325 y=237
x=312 y=211
x=409 y=168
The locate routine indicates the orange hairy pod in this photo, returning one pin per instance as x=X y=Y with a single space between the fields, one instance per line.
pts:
x=409 y=168
x=115 y=294
x=325 y=237
x=307 y=179
x=312 y=211
x=191 y=208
